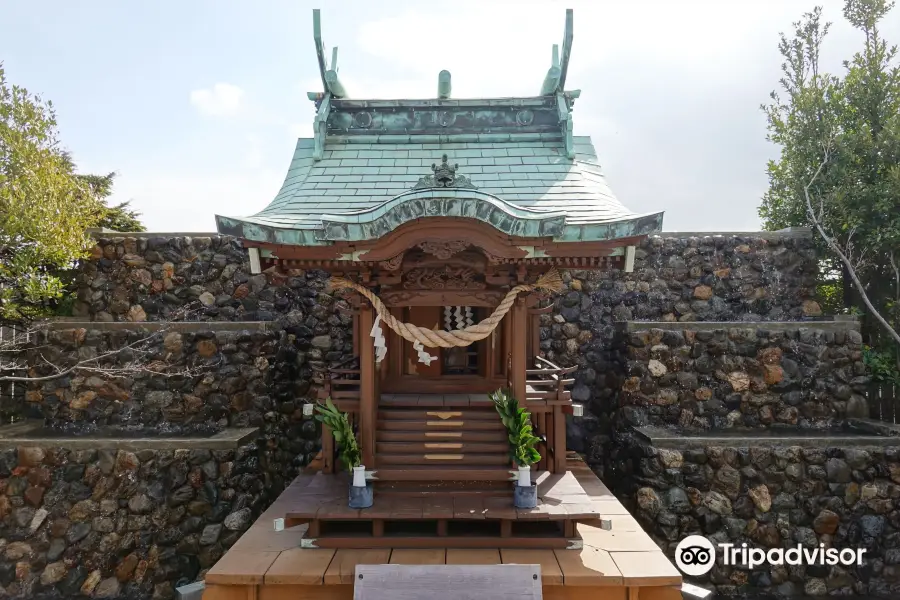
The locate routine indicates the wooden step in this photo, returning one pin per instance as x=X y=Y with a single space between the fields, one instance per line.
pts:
x=443 y=489
x=438 y=425
x=442 y=458
x=446 y=435
x=434 y=473
x=438 y=413
x=441 y=446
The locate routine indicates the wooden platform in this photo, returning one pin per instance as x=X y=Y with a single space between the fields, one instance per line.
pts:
x=464 y=520
x=620 y=564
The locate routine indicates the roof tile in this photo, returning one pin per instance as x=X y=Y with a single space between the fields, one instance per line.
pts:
x=533 y=173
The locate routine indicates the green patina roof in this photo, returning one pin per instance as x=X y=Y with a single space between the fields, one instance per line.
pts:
x=362 y=188
x=520 y=168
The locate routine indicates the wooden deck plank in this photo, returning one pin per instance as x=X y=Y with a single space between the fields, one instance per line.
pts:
x=343 y=565
x=609 y=507
x=618 y=522
x=541 y=512
x=306 y=592
x=266 y=539
x=588 y=566
x=480 y=400
x=499 y=508
x=408 y=556
x=337 y=509
x=430 y=400
x=616 y=541
x=438 y=508
x=407 y=508
x=299 y=566
x=668 y=592
x=456 y=400
x=226 y=592
x=567 y=592
x=241 y=568
x=486 y=556
x=558 y=486
x=381 y=508
x=468 y=507
x=646 y=568
x=550 y=572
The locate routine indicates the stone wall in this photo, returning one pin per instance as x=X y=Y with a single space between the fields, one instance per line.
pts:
x=225 y=375
x=109 y=523
x=157 y=278
x=720 y=375
x=734 y=277
x=775 y=495
x=686 y=278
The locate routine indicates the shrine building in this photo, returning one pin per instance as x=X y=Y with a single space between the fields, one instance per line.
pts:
x=445 y=223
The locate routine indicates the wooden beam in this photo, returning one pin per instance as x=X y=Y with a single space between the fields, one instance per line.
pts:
x=629 y=259
x=559 y=440
x=367 y=400
x=519 y=348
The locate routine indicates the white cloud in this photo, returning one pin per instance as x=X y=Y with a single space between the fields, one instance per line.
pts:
x=222 y=100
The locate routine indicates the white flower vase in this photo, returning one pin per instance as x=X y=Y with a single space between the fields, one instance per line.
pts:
x=524 y=477
x=359 y=476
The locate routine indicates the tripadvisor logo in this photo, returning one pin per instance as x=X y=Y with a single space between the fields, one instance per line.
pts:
x=695 y=555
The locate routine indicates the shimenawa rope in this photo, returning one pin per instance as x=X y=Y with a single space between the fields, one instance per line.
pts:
x=549 y=281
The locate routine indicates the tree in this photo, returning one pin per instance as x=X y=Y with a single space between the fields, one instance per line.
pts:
x=119 y=217
x=839 y=138
x=45 y=206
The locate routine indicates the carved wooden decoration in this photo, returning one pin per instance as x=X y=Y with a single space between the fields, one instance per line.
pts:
x=448 y=277
x=444 y=249
x=394 y=263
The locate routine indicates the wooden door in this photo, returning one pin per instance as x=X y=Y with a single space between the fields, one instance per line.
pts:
x=423 y=316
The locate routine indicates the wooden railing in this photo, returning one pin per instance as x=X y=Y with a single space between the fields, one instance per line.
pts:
x=548 y=400
x=341 y=383
x=548 y=382
x=884 y=402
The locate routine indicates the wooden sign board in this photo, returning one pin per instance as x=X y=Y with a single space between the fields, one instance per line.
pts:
x=447 y=582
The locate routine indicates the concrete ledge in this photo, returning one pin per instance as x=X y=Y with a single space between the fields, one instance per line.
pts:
x=834 y=324
x=18 y=434
x=863 y=433
x=191 y=591
x=781 y=234
x=107 y=233
x=180 y=326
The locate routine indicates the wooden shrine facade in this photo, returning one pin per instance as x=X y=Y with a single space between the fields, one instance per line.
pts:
x=448 y=272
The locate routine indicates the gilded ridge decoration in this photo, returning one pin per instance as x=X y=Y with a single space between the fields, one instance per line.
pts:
x=444 y=176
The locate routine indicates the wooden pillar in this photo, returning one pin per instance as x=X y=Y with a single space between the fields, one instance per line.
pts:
x=518 y=324
x=327 y=449
x=367 y=389
x=559 y=440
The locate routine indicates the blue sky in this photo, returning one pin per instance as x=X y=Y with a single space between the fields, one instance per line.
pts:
x=197 y=104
